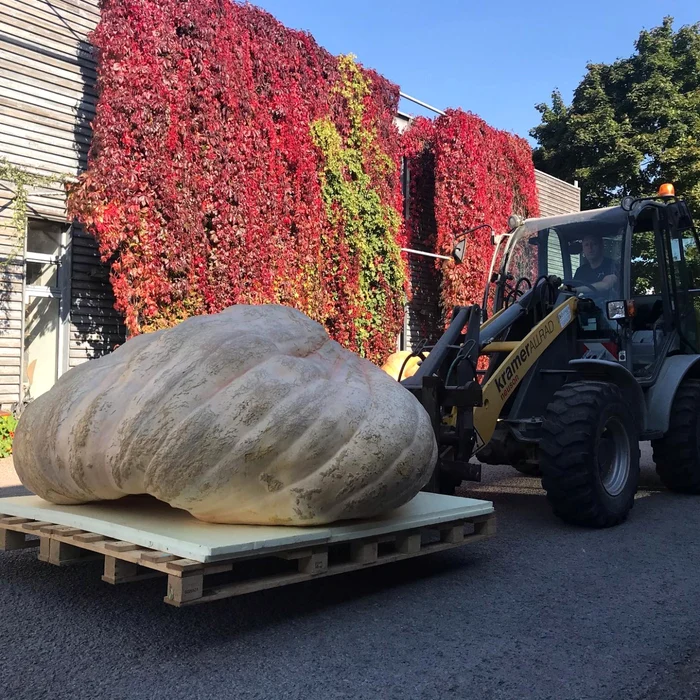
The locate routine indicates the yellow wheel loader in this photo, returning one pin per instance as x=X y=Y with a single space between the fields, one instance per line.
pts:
x=592 y=344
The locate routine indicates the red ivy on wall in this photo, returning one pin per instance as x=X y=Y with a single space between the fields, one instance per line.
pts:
x=473 y=174
x=204 y=182
x=418 y=144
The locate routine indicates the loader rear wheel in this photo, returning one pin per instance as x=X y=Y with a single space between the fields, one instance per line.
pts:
x=677 y=454
x=589 y=454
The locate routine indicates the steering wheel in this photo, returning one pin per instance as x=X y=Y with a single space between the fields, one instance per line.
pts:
x=575 y=283
x=597 y=296
x=515 y=292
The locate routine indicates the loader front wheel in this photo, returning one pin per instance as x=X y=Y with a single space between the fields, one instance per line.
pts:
x=677 y=454
x=589 y=454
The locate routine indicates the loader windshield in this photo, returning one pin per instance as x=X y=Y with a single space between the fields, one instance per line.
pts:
x=584 y=248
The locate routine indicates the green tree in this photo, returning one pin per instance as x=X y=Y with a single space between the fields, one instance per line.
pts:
x=632 y=124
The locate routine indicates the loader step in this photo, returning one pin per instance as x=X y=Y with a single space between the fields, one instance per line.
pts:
x=257 y=558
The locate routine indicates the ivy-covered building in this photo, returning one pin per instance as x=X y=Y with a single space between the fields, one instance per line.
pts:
x=56 y=302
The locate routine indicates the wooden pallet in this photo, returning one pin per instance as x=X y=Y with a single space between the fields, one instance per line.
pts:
x=191 y=582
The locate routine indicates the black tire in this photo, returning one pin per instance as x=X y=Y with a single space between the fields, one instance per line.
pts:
x=677 y=454
x=528 y=469
x=589 y=454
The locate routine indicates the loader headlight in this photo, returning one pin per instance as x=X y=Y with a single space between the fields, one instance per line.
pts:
x=514 y=221
x=617 y=310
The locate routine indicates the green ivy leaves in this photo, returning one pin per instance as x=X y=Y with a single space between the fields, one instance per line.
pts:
x=370 y=226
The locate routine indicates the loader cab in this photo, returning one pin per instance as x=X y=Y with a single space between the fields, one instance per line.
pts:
x=585 y=249
x=644 y=253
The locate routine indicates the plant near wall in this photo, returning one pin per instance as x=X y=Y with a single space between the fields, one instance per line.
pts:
x=482 y=175
x=229 y=158
x=22 y=181
x=8 y=425
x=418 y=148
x=476 y=174
x=371 y=227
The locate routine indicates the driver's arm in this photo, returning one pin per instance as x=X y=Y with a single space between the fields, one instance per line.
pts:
x=606 y=284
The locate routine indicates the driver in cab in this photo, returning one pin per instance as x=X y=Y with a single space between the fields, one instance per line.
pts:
x=598 y=271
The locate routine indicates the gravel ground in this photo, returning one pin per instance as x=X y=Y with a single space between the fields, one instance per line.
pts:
x=543 y=610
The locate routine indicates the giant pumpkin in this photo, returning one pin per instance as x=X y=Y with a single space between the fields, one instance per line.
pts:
x=253 y=415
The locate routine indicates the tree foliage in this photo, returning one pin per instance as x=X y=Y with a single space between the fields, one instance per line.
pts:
x=632 y=124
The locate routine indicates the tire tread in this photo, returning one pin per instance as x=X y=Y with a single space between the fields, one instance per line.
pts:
x=568 y=431
x=676 y=455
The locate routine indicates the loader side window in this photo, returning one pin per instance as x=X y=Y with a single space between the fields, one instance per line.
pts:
x=524 y=258
x=685 y=260
x=648 y=332
x=555 y=257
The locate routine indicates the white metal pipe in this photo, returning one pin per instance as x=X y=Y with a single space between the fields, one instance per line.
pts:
x=429 y=255
x=421 y=103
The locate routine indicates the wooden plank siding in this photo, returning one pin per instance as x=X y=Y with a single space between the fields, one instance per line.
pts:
x=96 y=327
x=423 y=316
x=556 y=196
x=48 y=97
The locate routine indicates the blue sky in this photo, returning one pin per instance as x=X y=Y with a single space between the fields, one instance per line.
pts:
x=496 y=59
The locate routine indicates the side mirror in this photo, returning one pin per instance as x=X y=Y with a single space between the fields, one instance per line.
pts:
x=461 y=246
x=619 y=310
x=459 y=250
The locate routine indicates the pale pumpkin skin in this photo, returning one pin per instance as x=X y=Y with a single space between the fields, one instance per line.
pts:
x=253 y=415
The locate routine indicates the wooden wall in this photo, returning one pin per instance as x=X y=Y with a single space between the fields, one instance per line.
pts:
x=423 y=316
x=47 y=100
x=556 y=196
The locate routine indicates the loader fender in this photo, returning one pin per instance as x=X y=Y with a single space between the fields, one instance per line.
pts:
x=607 y=371
x=659 y=398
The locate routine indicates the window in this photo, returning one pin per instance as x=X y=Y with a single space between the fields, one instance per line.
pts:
x=688 y=278
x=46 y=291
x=685 y=261
x=645 y=271
x=649 y=331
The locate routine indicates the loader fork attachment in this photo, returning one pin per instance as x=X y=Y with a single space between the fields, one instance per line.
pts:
x=447 y=386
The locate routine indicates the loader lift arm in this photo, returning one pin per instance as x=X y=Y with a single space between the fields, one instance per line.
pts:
x=586 y=353
x=463 y=410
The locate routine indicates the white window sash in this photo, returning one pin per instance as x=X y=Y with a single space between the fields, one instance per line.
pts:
x=42 y=258
x=35 y=291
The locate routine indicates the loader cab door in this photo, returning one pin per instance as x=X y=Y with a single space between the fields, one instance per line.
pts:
x=532 y=255
x=684 y=263
x=651 y=290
